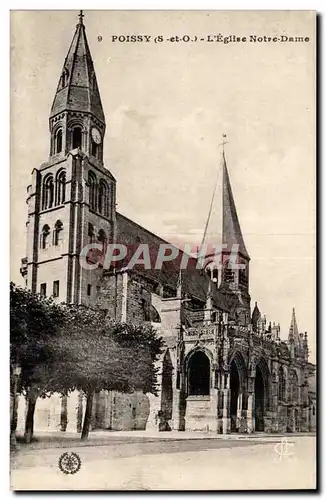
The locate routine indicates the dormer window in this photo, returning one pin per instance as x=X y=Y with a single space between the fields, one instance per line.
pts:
x=64 y=78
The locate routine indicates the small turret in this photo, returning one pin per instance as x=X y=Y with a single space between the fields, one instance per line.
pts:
x=255 y=318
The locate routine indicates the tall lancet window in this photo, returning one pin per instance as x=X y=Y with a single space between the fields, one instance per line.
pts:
x=102 y=238
x=58 y=142
x=57 y=232
x=228 y=271
x=76 y=137
x=44 y=239
x=281 y=385
x=48 y=192
x=92 y=186
x=103 y=198
x=61 y=187
x=294 y=387
x=243 y=273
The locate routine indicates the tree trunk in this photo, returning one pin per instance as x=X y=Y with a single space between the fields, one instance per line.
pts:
x=13 y=423
x=29 y=423
x=88 y=415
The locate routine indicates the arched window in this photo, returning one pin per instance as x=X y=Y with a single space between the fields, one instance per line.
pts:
x=243 y=273
x=95 y=149
x=103 y=198
x=76 y=137
x=92 y=186
x=212 y=271
x=281 y=385
x=199 y=375
x=48 y=192
x=228 y=272
x=101 y=235
x=294 y=387
x=91 y=235
x=64 y=78
x=61 y=187
x=44 y=240
x=102 y=238
x=57 y=232
x=58 y=142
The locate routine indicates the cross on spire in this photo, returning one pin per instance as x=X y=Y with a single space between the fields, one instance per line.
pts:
x=223 y=142
x=80 y=17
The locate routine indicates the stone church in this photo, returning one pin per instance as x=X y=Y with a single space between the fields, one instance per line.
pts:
x=224 y=368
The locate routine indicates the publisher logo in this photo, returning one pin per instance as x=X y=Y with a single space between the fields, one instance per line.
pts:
x=69 y=463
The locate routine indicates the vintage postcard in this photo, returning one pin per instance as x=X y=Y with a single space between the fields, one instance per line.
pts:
x=163 y=250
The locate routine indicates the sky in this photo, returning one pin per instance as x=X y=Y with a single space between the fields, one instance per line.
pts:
x=166 y=106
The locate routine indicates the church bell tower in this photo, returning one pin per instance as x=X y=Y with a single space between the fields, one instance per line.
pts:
x=71 y=200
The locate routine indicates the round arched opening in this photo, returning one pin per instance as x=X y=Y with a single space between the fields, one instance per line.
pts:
x=199 y=375
x=76 y=137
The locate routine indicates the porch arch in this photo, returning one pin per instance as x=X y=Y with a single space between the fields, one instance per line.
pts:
x=262 y=396
x=198 y=369
x=238 y=388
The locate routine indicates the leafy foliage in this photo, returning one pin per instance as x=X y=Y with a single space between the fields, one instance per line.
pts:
x=61 y=348
x=34 y=320
x=95 y=353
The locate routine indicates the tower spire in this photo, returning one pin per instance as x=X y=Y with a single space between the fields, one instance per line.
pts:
x=77 y=88
x=214 y=191
x=231 y=231
x=293 y=331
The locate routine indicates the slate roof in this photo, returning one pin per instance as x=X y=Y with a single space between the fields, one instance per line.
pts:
x=194 y=282
x=81 y=92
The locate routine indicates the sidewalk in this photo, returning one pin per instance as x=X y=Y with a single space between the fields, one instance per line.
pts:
x=59 y=439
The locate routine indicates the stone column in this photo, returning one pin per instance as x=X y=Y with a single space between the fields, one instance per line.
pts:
x=226 y=420
x=250 y=413
x=154 y=408
x=178 y=410
x=214 y=410
x=240 y=420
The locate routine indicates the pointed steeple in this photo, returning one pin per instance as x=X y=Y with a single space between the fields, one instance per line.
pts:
x=232 y=234
x=77 y=88
x=293 y=331
x=255 y=317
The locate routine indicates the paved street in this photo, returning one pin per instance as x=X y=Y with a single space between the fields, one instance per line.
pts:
x=121 y=461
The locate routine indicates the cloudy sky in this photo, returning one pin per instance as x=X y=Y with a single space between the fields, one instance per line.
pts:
x=166 y=107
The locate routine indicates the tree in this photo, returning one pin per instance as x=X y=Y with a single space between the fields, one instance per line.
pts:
x=34 y=320
x=94 y=353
